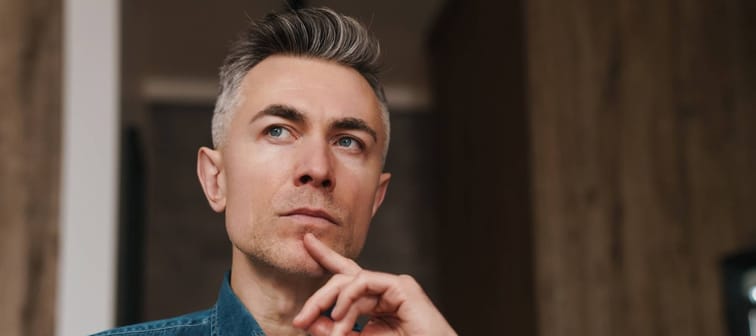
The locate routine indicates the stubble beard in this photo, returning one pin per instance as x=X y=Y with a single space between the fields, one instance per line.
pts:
x=287 y=255
x=274 y=245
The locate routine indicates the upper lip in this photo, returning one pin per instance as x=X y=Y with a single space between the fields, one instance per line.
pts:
x=313 y=213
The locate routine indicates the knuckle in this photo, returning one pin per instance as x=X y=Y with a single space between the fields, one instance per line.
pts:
x=353 y=264
x=361 y=278
x=407 y=280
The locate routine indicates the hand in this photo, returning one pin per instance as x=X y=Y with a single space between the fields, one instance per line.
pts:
x=395 y=304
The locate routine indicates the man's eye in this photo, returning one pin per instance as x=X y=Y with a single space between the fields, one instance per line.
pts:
x=348 y=142
x=277 y=132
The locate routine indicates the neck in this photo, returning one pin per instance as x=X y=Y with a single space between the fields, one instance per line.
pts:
x=273 y=297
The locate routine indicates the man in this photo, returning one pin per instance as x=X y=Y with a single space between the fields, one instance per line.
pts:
x=300 y=134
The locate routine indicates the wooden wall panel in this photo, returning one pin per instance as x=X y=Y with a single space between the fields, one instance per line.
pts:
x=642 y=125
x=30 y=66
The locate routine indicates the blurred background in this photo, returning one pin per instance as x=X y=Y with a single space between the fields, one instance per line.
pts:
x=559 y=168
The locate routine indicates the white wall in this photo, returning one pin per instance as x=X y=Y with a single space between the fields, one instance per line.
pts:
x=86 y=283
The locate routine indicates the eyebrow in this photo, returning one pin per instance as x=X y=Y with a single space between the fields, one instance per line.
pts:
x=355 y=124
x=281 y=111
x=292 y=114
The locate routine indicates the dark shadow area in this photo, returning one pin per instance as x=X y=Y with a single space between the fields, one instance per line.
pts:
x=485 y=229
x=131 y=231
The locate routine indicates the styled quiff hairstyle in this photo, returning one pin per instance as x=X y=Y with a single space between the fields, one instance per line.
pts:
x=311 y=32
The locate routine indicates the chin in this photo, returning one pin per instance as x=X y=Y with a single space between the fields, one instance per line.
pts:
x=291 y=258
x=286 y=253
x=303 y=266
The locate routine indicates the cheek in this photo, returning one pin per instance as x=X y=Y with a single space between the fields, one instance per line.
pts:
x=248 y=191
x=359 y=194
x=251 y=173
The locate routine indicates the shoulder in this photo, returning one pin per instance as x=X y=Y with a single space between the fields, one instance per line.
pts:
x=197 y=323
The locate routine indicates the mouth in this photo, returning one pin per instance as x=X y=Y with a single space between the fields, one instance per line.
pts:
x=310 y=213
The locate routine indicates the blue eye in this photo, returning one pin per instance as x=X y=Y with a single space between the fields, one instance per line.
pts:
x=279 y=134
x=346 y=142
x=276 y=131
x=349 y=143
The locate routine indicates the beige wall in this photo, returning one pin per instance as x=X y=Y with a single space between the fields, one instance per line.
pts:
x=30 y=61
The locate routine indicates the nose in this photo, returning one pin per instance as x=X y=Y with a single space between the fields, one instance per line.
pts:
x=315 y=167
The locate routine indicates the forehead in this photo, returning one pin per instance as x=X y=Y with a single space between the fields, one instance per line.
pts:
x=318 y=88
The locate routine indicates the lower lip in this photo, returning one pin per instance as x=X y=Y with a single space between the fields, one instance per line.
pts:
x=309 y=220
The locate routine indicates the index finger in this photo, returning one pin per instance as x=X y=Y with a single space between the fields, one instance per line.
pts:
x=328 y=258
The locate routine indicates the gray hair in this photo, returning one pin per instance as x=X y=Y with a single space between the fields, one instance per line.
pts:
x=310 y=32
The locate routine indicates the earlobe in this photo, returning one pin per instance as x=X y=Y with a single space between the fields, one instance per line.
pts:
x=211 y=177
x=380 y=193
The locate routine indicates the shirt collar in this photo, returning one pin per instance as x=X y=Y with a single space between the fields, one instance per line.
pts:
x=232 y=318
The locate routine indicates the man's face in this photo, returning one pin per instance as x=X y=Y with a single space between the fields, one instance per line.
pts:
x=303 y=153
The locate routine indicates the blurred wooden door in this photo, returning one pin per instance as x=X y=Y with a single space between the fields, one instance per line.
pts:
x=30 y=90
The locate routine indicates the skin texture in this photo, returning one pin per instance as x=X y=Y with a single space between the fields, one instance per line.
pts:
x=299 y=179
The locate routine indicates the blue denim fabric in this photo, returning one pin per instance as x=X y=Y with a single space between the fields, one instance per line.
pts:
x=228 y=317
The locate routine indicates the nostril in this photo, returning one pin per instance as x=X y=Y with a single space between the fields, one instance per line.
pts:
x=304 y=179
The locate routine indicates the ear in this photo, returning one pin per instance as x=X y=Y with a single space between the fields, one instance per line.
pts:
x=380 y=193
x=212 y=177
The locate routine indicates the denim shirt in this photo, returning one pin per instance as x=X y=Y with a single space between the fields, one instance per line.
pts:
x=228 y=317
